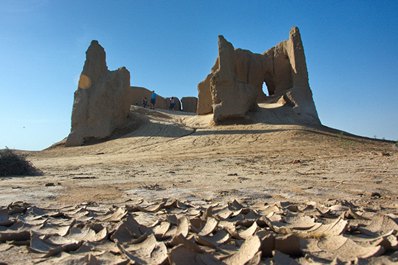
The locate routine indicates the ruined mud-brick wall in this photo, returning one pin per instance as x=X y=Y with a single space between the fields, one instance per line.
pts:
x=101 y=101
x=234 y=86
x=103 y=98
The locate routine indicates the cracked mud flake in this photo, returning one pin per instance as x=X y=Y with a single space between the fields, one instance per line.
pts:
x=381 y=224
x=17 y=207
x=196 y=224
x=33 y=221
x=194 y=212
x=249 y=231
x=183 y=226
x=49 y=229
x=5 y=218
x=81 y=215
x=352 y=214
x=40 y=245
x=181 y=255
x=174 y=203
x=290 y=244
x=19 y=234
x=255 y=260
x=161 y=229
x=346 y=249
x=236 y=218
x=115 y=216
x=77 y=234
x=388 y=241
x=235 y=205
x=154 y=208
x=224 y=213
x=268 y=209
x=149 y=251
x=335 y=228
x=246 y=252
x=146 y=219
x=230 y=228
x=187 y=243
x=210 y=225
x=218 y=238
x=267 y=243
x=127 y=231
x=208 y=239
x=250 y=213
x=300 y=222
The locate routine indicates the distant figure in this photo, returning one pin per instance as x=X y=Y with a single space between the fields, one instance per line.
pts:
x=153 y=99
x=145 y=102
x=172 y=103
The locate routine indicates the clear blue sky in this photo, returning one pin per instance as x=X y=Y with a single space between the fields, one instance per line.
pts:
x=170 y=46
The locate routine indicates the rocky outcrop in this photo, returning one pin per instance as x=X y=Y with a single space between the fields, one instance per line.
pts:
x=189 y=104
x=102 y=100
x=234 y=86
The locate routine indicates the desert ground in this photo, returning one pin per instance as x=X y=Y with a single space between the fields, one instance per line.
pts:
x=179 y=156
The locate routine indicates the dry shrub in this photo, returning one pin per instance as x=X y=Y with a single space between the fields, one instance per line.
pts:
x=13 y=164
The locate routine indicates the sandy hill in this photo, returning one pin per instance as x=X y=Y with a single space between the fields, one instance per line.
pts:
x=254 y=192
x=182 y=153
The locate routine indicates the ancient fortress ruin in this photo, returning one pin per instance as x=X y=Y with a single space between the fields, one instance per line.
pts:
x=103 y=99
x=232 y=90
x=234 y=85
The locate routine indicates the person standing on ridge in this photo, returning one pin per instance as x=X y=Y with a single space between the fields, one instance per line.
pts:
x=145 y=102
x=153 y=99
x=172 y=103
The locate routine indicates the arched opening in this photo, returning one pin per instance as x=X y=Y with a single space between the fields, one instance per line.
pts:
x=264 y=89
x=277 y=80
x=267 y=88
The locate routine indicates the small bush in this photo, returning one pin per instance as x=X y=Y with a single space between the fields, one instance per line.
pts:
x=12 y=164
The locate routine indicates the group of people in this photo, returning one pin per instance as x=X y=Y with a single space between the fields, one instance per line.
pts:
x=153 y=101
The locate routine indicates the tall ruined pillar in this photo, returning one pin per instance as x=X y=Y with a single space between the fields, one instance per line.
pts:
x=300 y=92
x=101 y=101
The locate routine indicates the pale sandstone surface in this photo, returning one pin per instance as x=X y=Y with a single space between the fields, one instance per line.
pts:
x=101 y=102
x=234 y=85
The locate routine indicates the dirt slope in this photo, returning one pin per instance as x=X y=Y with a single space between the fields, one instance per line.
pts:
x=182 y=155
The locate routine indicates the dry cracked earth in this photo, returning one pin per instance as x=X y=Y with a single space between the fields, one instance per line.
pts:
x=177 y=191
